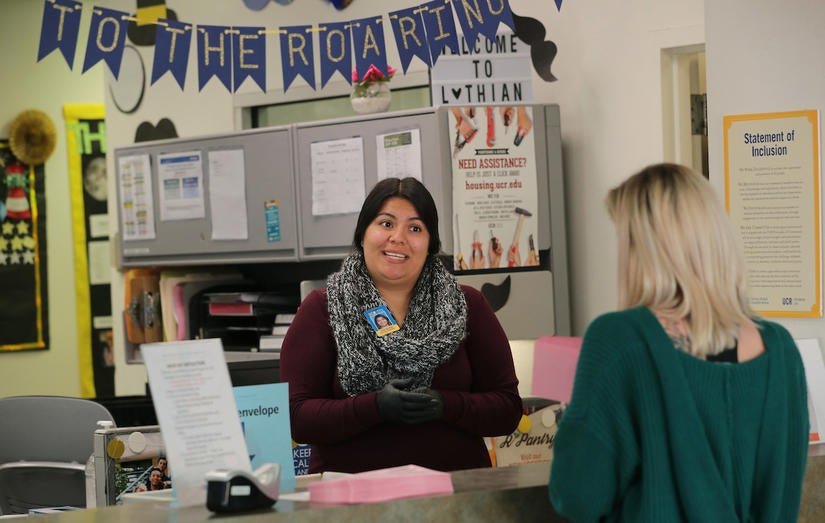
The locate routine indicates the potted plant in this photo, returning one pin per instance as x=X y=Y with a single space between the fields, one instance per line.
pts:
x=371 y=92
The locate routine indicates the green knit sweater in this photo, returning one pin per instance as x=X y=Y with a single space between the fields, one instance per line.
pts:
x=655 y=434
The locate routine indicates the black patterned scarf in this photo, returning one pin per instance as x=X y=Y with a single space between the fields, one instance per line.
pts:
x=435 y=324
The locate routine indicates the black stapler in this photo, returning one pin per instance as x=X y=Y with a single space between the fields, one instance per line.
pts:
x=240 y=491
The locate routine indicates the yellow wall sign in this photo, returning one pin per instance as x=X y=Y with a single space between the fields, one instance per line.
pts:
x=772 y=196
x=86 y=147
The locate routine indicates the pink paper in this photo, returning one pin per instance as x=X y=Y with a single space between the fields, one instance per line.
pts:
x=554 y=367
x=374 y=486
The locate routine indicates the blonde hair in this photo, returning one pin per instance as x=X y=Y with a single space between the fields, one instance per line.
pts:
x=678 y=254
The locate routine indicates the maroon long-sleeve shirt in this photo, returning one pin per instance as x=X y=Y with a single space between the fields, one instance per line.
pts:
x=478 y=385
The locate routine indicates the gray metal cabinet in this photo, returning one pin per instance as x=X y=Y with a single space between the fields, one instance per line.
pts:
x=268 y=177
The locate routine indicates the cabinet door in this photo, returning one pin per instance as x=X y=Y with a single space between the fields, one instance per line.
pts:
x=326 y=233
x=248 y=204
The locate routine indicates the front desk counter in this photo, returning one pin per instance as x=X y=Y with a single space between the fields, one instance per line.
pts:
x=517 y=494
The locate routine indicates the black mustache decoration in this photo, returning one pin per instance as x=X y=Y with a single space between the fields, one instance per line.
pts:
x=542 y=52
x=147 y=132
x=497 y=295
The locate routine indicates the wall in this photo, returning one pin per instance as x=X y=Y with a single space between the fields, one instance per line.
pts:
x=609 y=92
x=46 y=86
x=772 y=62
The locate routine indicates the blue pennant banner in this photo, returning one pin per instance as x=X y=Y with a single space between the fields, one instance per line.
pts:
x=504 y=15
x=558 y=4
x=481 y=18
x=60 y=29
x=107 y=36
x=297 y=56
x=368 y=42
x=441 y=31
x=214 y=55
x=172 y=42
x=410 y=37
x=233 y=55
x=249 y=56
x=336 y=53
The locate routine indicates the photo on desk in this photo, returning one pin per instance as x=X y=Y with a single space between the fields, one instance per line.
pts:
x=144 y=475
x=134 y=461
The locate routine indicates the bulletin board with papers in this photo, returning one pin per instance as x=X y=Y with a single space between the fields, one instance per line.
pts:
x=210 y=200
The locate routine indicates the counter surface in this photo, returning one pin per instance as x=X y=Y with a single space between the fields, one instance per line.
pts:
x=505 y=494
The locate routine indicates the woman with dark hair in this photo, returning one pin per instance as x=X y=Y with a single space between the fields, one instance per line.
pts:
x=425 y=394
x=381 y=321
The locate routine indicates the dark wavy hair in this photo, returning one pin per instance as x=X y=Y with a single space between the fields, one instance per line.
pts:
x=411 y=190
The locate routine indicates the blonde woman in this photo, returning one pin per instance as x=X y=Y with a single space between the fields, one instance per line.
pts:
x=685 y=407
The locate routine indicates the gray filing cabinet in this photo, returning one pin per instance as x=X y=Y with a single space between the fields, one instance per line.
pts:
x=278 y=165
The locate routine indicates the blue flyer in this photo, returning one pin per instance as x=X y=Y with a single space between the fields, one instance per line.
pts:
x=264 y=413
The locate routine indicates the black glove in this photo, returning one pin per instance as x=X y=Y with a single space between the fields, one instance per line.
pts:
x=436 y=409
x=401 y=406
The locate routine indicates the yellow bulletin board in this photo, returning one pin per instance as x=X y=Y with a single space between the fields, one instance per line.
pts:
x=772 y=196
x=86 y=146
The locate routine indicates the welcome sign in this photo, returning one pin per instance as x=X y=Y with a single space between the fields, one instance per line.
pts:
x=492 y=71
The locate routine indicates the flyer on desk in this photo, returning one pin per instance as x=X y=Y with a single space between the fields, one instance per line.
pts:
x=264 y=413
x=196 y=412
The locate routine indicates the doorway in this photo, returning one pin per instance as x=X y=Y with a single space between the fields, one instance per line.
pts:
x=684 y=107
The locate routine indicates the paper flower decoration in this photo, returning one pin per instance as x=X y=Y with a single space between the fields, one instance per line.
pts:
x=32 y=137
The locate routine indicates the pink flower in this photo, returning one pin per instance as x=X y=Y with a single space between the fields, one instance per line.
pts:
x=373 y=74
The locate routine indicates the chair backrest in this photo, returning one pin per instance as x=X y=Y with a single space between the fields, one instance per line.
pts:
x=554 y=366
x=27 y=485
x=49 y=428
x=45 y=442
